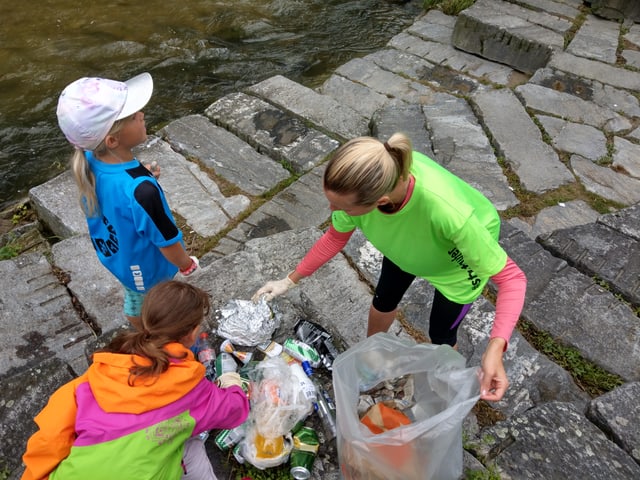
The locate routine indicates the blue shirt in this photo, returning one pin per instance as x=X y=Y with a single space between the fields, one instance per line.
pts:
x=133 y=222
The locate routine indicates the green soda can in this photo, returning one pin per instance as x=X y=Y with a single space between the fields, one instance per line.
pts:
x=229 y=437
x=305 y=448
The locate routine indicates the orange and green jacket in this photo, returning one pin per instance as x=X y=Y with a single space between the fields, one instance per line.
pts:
x=98 y=426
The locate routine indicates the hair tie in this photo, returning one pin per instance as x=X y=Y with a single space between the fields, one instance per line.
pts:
x=387 y=147
x=146 y=333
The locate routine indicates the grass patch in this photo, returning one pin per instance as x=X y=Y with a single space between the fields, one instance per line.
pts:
x=448 y=7
x=490 y=473
x=588 y=376
x=531 y=203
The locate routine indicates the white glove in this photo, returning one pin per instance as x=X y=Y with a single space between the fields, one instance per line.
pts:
x=228 y=380
x=273 y=288
x=194 y=267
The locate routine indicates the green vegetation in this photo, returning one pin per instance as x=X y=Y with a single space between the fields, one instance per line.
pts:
x=7 y=252
x=249 y=471
x=449 y=7
x=588 y=376
x=488 y=474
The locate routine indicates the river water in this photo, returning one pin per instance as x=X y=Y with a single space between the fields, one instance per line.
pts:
x=196 y=50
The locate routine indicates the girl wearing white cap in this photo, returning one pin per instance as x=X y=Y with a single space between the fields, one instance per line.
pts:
x=130 y=224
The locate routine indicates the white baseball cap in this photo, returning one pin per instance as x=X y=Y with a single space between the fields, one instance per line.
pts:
x=88 y=107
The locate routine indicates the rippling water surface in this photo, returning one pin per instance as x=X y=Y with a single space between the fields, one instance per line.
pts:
x=196 y=50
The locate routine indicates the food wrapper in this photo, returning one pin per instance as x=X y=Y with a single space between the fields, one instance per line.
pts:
x=381 y=418
x=246 y=323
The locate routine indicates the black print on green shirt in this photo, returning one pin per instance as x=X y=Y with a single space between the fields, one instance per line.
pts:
x=108 y=246
x=457 y=257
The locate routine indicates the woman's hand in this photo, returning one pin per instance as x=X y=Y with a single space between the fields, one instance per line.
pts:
x=493 y=382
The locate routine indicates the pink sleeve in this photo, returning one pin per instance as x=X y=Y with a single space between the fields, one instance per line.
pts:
x=323 y=250
x=512 y=285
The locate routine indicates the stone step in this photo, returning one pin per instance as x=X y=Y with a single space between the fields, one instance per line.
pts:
x=272 y=131
x=597 y=250
x=573 y=308
x=324 y=112
x=507 y=33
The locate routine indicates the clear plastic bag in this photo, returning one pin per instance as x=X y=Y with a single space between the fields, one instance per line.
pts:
x=277 y=404
x=445 y=391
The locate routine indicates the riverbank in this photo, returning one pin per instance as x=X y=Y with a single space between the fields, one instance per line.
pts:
x=245 y=176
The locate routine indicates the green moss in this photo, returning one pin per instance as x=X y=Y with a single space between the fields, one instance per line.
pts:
x=588 y=376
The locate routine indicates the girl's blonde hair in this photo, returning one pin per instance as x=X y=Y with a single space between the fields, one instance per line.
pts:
x=170 y=312
x=85 y=178
x=368 y=167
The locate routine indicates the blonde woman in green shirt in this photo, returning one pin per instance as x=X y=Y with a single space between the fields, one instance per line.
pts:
x=427 y=223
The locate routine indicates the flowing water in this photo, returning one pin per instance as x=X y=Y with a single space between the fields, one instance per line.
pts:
x=196 y=50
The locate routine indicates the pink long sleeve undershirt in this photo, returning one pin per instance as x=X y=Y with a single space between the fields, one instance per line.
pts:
x=510 y=281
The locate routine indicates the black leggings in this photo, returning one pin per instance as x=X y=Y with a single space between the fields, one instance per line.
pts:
x=445 y=315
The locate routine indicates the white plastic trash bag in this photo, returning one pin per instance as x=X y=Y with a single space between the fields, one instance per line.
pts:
x=428 y=448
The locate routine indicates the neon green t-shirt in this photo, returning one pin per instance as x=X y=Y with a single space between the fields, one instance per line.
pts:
x=447 y=233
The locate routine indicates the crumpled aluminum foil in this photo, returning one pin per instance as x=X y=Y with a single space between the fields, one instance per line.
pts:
x=246 y=323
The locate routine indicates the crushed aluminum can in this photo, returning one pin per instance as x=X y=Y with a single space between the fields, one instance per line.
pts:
x=229 y=437
x=301 y=351
x=316 y=336
x=303 y=454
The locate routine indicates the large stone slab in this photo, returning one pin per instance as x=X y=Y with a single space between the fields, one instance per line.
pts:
x=572 y=137
x=596 y=250
x=326 y=113
x=520 y=142
x=626 y=221
x=538 y=264
x=461 y=145
x=300 y=205
x=57 y=206
x=190 y=191
x=271 y=130
x=445 y=55
x=617 y=9
x=366 y=72
x=595 y=70
x=505 y=33
x=614 y=99
x=533 y=446
x=606 y=182
x=228 y=156
x=596 y=39
x=626 y=156
x=617 y=414
x=561 y=8
x=578 y=312
x=37 y=320
x=563 y=215
x=98 y=292
x=361 y=98
x=570 y=107
x=24 y=394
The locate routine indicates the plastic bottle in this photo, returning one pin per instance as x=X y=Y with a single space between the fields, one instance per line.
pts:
x=326 y=408
x=306 y=385
x=207 y=356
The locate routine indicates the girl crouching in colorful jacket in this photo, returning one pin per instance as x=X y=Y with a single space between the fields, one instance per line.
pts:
x=137 y=411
